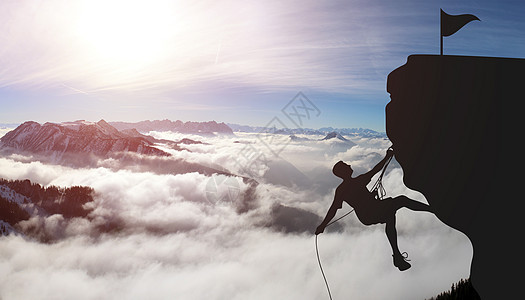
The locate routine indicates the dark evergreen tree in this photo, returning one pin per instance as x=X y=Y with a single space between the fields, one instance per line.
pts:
x=462 y=290
x=11 y=212
x=68 y=202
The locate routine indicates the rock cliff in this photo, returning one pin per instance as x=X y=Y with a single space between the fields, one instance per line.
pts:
x=454 y=122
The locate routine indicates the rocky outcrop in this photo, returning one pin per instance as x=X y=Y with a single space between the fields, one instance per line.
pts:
x=454 y=121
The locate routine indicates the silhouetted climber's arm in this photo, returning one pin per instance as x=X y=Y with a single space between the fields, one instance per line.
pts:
x=368 y=175
x=337 y=204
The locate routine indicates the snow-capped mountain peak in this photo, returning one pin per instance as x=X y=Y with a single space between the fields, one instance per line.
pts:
x=335 y=135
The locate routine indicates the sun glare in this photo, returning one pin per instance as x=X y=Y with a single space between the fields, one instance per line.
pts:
x=132 y=45
x=124 y=31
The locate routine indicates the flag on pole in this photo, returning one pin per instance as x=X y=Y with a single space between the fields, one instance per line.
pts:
x=450 y=24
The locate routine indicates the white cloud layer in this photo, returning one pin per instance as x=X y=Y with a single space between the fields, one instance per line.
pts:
x=171 y=242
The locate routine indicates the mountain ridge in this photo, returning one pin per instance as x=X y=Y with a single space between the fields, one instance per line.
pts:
x=58 y=139
x=199 y=128
x=363 y=132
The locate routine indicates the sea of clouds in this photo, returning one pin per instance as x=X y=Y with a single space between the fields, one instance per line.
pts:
x=193 y=236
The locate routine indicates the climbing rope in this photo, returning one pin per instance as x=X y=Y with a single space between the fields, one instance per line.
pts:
x=380 y=192
x=319 y=259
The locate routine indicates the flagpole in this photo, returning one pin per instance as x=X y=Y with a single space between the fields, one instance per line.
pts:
x=441 y=45
x=450 y=24
x=441 y=32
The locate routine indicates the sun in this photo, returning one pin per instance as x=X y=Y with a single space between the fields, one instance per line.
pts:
x=140 y=44
x=126 y=32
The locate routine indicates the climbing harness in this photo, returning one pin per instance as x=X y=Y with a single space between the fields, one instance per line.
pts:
x=378 y=188
x=380 y=192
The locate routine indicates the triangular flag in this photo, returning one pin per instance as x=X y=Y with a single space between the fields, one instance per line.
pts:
x=451 y=24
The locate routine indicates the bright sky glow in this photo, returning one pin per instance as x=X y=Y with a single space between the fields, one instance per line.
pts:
x=231 y=61
x=126 y=32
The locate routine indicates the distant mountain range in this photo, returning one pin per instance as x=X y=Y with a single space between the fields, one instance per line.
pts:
x=200 y=128
x=362 y=132
x=58 y=142
x=8 y=125
x=82 y=143
x=212 y=128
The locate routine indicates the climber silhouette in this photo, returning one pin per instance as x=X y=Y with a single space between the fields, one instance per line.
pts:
x=368 y=208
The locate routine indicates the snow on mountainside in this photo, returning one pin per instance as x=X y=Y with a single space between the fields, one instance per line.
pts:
x=21 y=200
x=333 y=142
x=82 y=144
x=335 y=135
x=55 y=140
x=10 y=195
x=353 y=132
x=6 y=228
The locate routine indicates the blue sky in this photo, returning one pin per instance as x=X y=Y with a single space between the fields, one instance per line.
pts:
x=230 y=61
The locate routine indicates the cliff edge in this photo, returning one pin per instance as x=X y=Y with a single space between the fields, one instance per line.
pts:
x=454 y=123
